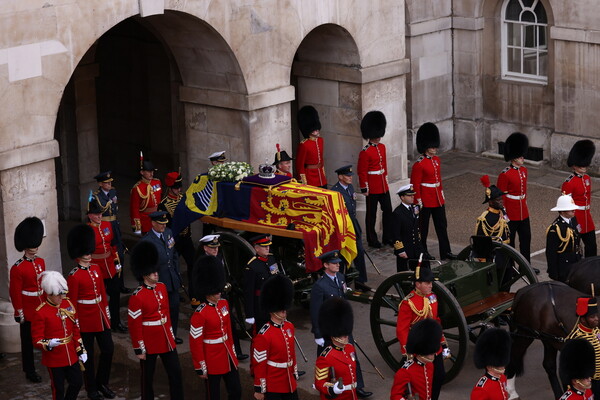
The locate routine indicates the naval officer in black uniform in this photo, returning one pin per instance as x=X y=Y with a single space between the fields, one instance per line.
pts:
x=406 y=230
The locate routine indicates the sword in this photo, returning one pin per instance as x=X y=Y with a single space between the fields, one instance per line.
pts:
x=372 y=263
x=368 y=359
x=300 y=348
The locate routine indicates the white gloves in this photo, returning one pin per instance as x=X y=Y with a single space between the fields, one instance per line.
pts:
x=338 y=388
x=321 y=342
x=118 y=267
x=83 y=357
x=138 y=233
x=53 y=343
x=250 y=321
x=446 y=352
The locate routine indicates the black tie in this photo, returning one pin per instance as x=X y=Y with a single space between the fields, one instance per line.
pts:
x=162 y=238
x=336 y=282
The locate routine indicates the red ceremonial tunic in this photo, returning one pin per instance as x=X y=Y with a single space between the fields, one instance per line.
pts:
x=144 y=200
x=309 y=164
x=490 y=388
x=414 y=308
x=420 y=377
x=105 y=255
x=88 y=295
x=372 y=169
x=25 y=288
x=149 y=322
x=426 y=178
x=335 y=363
x=574 y=394
x=513 y=181
x=580 y=188
x=57 y=322
x=275 y=370
x=288 y=174
x=211 y=341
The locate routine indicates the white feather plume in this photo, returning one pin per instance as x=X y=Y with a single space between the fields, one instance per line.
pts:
x=53 y=283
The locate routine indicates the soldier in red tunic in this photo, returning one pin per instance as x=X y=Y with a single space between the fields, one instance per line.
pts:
x=25 y=289
x=513 y=181
x=335 y=370
x=426 y=178
x=144 y=199
x=309 y=164
x=211 y=339
x=415 y=377
x=56 y=332
x=283 y=163
x=276 y=371
x=579 y=186
x=492 y=353
x=88 y=295
x=421 y=303
x=150 y=323
x=576 y=366
x=372 y=178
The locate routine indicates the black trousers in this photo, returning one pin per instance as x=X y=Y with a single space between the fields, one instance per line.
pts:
x=596 y=388
x=232 y=384
x=113 y=291
x=26 y=347
x=590 y=247
x=440 y=223
x=523 y=228
x=174 y=309
x=170 y=361
x=384 y=201
x=359 y=261
x=281 y=396
x=118 y=240
x=439 y=374
x=58 y=375
x=360 y=382
x=185 y=247
x=107 y=348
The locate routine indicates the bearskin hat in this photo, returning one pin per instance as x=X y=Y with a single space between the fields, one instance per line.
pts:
x=581 y=153
x=424 y=337
x=29 y=234
x=277 y=294
x=53 y=283
x=373 y=125
x=492 y=348
x=209 y=276
x=308 y=120
x=336 y=318
x=428 y=136
x=516 y=146
x=81 y=240
x=577 y=360
x=144 y=259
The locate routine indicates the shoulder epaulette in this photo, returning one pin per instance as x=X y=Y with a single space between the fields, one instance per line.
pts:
x=366 y=147
x=252 y=259
x=409 y=296
x=407 y=364
x=40 y=306
x=19 y=261
x=96 y=192
x=570 y=177
x=264 y=328
x=566 y=395
x=421 y=158
x=201 y=307
x=136 y=291
x=482 y=381
x=325 y=351
x=302 y=141
x=73 y=271
x=482 y=216
x=505 y=170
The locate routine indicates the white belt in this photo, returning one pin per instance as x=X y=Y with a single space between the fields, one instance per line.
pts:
x=513 y=197
x=26 y=293
x=585 y=207
x=350 y=386
x=437 y=184
x=380 y=172
x=161 y=321
x=92 y=301
x=280 y=365
x=215 y=341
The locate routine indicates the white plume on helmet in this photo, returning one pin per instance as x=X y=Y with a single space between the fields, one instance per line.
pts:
x=53 y=283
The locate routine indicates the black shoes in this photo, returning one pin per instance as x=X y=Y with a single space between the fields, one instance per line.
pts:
x=33 y=377
x=362 y=393
x=120 y=328
x=427 y=256
x=449 y=256
x=536 y=270
x=95 y=396
x=300 y=373
x=242 y=357
x=361 y=287
x=178 y=340
x=106 y=392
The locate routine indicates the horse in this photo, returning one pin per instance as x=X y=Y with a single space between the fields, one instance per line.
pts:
x=583 y=273
x=544 y=311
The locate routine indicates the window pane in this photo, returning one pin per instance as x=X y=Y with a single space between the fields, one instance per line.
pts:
x=541 y=13
x=530 y=36
x=528 y=3
x=542 y=37
x=514 y=60
x=543 y=57
x=514 y=34
x=513 y=10
x=530 y=62
x=528 y=16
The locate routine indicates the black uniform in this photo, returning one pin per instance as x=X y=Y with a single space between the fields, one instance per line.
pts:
x=407 y=235
x=562 y=248
x=256 y=273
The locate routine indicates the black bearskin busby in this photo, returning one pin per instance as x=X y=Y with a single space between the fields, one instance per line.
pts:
x=577 y=360
x=336 y=318
x=308 y=120
x=144 y=259
x=208 y=276
x=424 y=337
x=29 y=234
x=492 y=348
x=373 y=125
x=428 y=136
x=516 y=146
x=277 y=294
x=581 y=153
x=81 y=240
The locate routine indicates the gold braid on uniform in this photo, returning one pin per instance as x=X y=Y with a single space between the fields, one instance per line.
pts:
x=426 y=312
x=592 y=338
x=497 y=231
x=563 y=246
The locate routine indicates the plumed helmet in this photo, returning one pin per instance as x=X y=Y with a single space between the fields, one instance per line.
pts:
x=335 y=317
x=29 y=234
x=424 y=337
x=576 y=360
x=516 y=146
x=144 y=259
x=53 y=283
x=428 y=136
x=94 y=207
x=81 y=240
x=308 y=120
x=277 y=294
x=373 y=125
x=492 y=348
x=208 y=276
x=581 y=153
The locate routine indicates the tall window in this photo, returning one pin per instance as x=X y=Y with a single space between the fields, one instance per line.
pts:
x=524 y=41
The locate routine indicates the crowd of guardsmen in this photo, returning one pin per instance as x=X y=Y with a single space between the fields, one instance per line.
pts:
x=67 y=329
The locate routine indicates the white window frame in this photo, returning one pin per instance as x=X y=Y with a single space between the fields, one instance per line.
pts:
x=516 y=76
